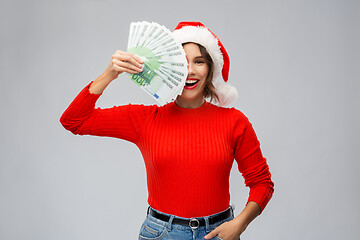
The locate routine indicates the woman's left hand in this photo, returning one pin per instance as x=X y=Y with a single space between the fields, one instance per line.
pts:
x=227 y=231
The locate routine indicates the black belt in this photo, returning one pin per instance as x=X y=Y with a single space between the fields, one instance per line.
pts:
x=193 y=222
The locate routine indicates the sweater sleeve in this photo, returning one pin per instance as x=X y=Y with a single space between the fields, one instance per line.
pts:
x=124 y=122
x=252 y=164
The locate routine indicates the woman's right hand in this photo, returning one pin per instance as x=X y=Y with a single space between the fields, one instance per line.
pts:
x=124 y=62
x=120 y=62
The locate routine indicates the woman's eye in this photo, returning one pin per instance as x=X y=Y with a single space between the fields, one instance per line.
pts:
x=199 y=61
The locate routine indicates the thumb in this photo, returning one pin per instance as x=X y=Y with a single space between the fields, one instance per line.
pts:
x=212 y=234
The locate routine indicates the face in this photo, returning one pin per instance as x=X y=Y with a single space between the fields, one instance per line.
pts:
x=198 y=71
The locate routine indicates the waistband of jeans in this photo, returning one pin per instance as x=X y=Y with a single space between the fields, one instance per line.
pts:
x=195 y=222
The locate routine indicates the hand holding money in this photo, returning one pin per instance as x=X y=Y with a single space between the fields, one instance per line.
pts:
x=124 y=62
x=120 y=62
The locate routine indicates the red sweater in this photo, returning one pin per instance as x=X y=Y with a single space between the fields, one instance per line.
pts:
x=188 y=153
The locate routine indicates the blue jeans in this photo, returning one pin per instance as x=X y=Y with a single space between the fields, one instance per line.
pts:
x=155 y=229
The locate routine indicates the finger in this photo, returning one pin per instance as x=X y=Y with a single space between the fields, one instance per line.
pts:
x=212 y=234
x=126 y=65
x=121 y=69
x=130 y=59
x=138 y=59
x=126 y=56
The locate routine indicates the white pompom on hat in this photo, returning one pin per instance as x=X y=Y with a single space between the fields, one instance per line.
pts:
x=196 y=32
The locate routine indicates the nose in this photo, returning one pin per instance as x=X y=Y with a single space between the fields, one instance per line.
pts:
x=191 y=69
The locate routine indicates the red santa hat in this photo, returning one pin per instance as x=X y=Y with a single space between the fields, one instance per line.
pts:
x=196 y=32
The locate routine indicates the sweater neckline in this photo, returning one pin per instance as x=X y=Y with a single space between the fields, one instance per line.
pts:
x=201 y=109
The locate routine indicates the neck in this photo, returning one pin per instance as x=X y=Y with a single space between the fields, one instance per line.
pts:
x=184 y=103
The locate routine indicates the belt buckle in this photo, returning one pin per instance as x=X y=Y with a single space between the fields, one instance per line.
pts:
x=194 y=223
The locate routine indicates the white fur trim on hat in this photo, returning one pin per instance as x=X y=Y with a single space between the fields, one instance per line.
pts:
x=225 y=92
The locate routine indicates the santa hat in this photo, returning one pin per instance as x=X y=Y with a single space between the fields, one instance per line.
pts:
x=196 y=32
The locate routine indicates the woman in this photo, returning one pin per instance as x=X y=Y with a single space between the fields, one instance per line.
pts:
x=188 y=145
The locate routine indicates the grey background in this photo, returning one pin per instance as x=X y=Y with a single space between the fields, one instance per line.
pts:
x=294 y=63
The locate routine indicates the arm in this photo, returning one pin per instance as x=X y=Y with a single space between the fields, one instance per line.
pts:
x=82 y=118
x=255 y=171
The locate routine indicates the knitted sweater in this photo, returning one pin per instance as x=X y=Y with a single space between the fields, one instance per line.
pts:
x=188 y=153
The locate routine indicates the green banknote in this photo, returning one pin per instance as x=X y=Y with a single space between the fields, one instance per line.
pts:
x=151 y=64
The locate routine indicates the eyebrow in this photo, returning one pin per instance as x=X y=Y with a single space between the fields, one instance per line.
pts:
x=197 y=57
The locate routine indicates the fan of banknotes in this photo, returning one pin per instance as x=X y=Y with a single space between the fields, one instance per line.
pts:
x=165 y=65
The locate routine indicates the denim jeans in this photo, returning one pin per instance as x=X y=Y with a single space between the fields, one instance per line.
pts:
x=155 y=229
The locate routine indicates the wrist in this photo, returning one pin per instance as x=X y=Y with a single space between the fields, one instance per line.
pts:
x=108 y=75
x=99 y=85
x=249 y=213
x=241 y=223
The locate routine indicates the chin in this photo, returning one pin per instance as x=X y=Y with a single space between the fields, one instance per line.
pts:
x=190 y=96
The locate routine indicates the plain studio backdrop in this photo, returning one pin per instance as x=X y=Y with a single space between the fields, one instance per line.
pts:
x=294 y=63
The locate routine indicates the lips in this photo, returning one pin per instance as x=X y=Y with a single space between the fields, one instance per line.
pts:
x=191 y=83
